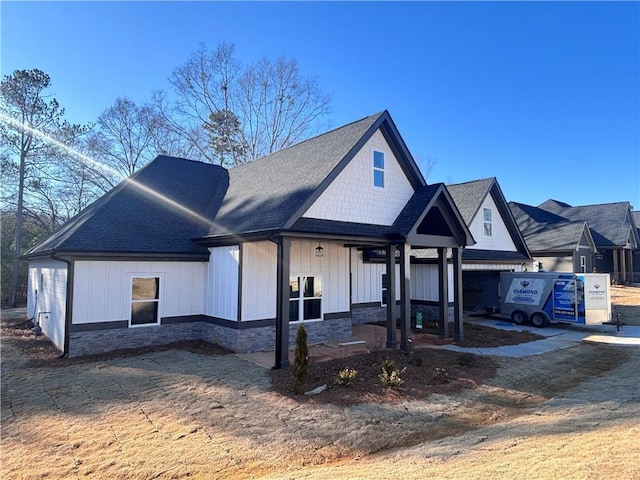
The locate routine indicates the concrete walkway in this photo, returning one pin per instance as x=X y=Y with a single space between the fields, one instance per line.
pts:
x=370 y=337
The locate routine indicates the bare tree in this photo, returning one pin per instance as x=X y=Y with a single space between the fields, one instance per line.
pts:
x=273 y=104
x=125 y=137
x=33 y=133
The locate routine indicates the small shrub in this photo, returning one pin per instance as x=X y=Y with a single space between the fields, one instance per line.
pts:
x=346 y=376
x=300 y=367
x=377 y=343
x=440 y=374
x=467 y=359
x=390 y=376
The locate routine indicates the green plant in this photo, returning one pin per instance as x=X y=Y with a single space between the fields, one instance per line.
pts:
x=390 y=376
x=300 y=367
x=440 y=374
x=346 y=376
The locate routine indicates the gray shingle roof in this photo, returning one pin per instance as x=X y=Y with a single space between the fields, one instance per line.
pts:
x=158 y=210
x=610 y=223
x=545 y=231
x=469 y=196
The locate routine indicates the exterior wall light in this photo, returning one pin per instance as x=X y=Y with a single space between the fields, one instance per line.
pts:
x=319 y=250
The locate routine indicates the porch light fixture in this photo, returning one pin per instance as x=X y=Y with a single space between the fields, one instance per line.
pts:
x=319 y=250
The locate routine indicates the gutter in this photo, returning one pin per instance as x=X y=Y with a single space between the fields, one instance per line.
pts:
x=68 y=303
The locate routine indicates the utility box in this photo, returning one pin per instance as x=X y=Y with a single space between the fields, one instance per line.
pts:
x=542 y=297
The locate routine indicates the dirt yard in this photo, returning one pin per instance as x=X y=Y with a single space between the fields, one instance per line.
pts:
x=200 y=413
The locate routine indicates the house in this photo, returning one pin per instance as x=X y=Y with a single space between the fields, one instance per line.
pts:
x=635 y=259
x=499 y=246
x=599 y=237
x=242 y=257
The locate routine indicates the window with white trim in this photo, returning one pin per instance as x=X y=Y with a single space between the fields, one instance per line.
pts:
x=378 y=169
x=583 y=264
x=145 y=298
x=305 y=298
x=487 y=222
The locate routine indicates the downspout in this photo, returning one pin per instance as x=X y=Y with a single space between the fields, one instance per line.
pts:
x=68 y=303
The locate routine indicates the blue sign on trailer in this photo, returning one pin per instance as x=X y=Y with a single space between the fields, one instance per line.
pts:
x=564 y=300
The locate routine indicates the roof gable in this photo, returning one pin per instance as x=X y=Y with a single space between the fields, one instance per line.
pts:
x=273 y=192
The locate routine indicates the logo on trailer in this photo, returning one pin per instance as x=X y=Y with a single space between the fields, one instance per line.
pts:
x=596 y=286
x=524 y=283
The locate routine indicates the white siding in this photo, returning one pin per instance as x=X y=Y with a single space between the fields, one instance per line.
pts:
x=49 y=278
x=516 y=267
x=500 y=238
x=555 y=264
x=351 y=197
x=102 y=289
x=367 y=279
x=333 y=266
x=259 y=285
x=424 y=282
x=222 y=293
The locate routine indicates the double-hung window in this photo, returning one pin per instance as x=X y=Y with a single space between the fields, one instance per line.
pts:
x=378 y=169
x=145 y=298
x=487 y=222
x=305 y=298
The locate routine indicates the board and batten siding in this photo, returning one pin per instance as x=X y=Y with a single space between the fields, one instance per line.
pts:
x=223 y=275
x=500 y=238
x=367 y=279
x=351 y=197
x=49 y=278
x=424 y=282
x=102 y=289
x=333 y=266
x=259 y=280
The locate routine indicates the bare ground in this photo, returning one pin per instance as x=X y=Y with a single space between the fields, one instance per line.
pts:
x=177 y=413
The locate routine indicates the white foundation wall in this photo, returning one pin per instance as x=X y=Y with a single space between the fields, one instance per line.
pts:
x=102 y=289
x=333 y=266
x=48 y=306
x=351 y=197
x=500 y=238
x=259 y=280
x=223 y=277
x=424 y=282
x=367 y=279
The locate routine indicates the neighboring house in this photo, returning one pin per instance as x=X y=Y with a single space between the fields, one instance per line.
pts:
x=635 y=259
x=580 y=239
x=499 y=246
x=241 y=257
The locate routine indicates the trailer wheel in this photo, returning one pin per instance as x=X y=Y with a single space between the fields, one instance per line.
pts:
x=519 y=317
x=538 y=320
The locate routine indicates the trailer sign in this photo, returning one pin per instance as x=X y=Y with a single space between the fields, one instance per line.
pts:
x=525 y=290
x=564 y=300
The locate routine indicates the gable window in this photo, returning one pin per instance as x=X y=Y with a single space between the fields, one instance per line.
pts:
x=487 y=222
x=378 y=169
x=145 y=297
x=305 y=298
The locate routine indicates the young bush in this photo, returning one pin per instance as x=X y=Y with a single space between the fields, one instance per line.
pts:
x=300 y=367
x=346 y=376
x=390 y=376
x=440 y=375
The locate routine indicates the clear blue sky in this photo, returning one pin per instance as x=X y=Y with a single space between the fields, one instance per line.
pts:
x=544 y=96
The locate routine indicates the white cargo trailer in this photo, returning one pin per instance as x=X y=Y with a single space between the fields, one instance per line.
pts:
x=542 y=297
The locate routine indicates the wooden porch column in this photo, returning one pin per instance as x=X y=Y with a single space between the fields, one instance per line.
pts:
x=282 y=304
x=443 y=288
x=614 y=252
x=623 y=265
x=458 y=326
x=391 y=292
x=405 y=298
x=631 y=279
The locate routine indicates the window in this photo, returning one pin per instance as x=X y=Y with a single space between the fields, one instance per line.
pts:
x=145 y=295
x=305 y=298
x=583 y=264
x=378 y=169
x=384 y=290
x=487 y=222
